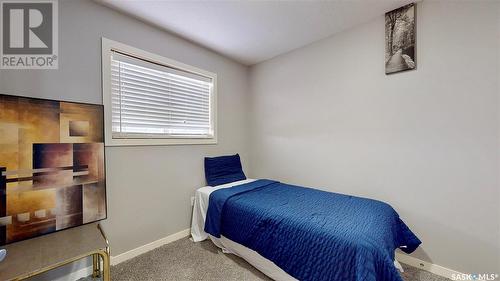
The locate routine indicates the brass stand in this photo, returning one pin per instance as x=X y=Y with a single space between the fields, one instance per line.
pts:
x=96 y=266
x=72 y=245
x=96 y=263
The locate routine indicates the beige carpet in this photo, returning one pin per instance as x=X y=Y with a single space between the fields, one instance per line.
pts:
x=185 y=260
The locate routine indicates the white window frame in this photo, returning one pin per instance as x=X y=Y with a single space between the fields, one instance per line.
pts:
x=108 y=46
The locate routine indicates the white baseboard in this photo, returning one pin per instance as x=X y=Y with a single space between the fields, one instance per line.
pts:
x=86 y=271
x=73 y=275
x=150 y=246
x=427 y=266
x=401 y=257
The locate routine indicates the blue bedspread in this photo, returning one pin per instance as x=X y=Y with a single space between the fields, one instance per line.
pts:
x=312 y=234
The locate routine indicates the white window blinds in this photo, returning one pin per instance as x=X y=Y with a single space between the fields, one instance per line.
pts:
x=150 y=100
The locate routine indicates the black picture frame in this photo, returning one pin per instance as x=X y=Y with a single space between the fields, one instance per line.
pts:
x=401 y=39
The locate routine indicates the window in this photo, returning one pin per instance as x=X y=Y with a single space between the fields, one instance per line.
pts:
x=152 y=100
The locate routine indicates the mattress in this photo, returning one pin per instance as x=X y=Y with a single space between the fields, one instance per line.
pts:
x=200 y=208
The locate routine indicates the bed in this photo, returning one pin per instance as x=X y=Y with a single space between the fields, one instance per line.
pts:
x=198 y=234
x=295 y=233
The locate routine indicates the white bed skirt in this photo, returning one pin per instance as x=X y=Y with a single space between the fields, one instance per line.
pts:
x=252 y=257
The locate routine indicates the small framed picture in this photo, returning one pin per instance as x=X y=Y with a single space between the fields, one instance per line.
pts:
x=400 y=39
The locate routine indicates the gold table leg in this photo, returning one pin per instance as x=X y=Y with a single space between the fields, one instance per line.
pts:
x=106 y=272
x=96 y=266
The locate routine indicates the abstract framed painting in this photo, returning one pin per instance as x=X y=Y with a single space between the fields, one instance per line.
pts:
x=52 y=173
x=400 y=39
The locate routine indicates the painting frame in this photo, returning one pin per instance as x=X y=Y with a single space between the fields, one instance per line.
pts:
x=406 y=60
x=80 y=148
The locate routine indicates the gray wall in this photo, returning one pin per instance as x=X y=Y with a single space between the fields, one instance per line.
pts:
x=425 y=141
x=148 y=188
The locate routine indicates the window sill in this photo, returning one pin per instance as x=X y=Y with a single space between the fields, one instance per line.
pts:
x=158 y=142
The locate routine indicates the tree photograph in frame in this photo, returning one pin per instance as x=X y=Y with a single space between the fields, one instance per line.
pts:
x=400 y=40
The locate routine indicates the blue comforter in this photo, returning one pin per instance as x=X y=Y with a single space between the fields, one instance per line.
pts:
x=312 y=234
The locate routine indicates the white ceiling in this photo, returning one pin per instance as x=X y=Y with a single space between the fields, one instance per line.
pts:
x=254 y=31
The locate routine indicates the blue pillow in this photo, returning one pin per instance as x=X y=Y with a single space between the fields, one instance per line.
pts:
x=223 y=169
